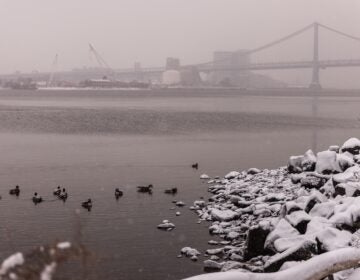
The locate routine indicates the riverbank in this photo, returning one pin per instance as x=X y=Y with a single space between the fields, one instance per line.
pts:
x=271 y=220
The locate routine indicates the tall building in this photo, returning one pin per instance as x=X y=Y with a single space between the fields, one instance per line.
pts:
x=172 y=63
x=228 y=61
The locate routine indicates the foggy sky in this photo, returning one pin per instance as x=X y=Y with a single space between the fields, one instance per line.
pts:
x=125 y=31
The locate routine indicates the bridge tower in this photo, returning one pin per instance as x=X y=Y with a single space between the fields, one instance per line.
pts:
x=315 y=83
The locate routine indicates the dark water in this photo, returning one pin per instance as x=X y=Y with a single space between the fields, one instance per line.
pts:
x=94 y=141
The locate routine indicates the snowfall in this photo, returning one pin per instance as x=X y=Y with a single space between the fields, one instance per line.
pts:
x=297 y=222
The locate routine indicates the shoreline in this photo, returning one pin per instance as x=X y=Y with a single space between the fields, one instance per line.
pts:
x=272 y=220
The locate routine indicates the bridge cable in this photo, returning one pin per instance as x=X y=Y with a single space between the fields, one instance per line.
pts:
x=281 y=39
x=339 y=32
x=262 y=47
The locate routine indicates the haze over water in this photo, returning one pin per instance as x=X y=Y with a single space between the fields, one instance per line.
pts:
x=93 y=141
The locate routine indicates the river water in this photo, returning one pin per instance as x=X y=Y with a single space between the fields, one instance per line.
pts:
x=93 y=141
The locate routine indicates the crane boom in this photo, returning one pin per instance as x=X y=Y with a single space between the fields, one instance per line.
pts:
x=107 y=70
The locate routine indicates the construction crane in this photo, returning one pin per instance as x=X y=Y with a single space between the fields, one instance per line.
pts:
x=108 y=72
x=53 y=71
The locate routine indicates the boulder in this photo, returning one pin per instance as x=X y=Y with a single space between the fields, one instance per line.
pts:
x=348 y=189
x=281 y=230
x=232 y=175
x=294 y=165
x=273 y=197
x=166 y=225
x=299 y=220
x=352 y=146
x=312 y=182
x=190 y=252
x=212 y=266
x=314 y=198
x=351 y=174
x=316 y=225
x=325 y=209
x=332 y=239
x=255 y=240
x=232 y=235
x=289 y=207
x=309 y=161
x=230 y=265
x=216 y=251
x=334 y=148
x=303 y=251
x=283 y=244
x=345 y=160
x=347 y=214
x=223 y=215
x=328 y=188
x=296 y=178
x=253 y=171
x=326 y=163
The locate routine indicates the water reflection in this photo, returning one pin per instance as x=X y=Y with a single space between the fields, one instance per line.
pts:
x=315 y=113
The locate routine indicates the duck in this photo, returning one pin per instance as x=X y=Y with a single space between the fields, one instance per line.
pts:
x=171 y=191
x=145 y=189
x=87 y=204
x=195 y=165
x=63 y=195
x=118 y=193
x=37 y=199
x=15 y=191
x=57 y=191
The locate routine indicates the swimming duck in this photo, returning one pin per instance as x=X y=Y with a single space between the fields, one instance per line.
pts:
x=195 y=165
x=145 y=189
x=87 y=204
x=63 y=195
x=37 y=199
x=57 y=191
x=118 y=193
x=171 y=191
x=15 y=191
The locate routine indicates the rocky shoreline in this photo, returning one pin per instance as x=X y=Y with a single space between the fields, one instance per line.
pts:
x=272 y=220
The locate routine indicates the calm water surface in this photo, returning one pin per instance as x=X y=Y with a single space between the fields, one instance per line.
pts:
x=94 y=141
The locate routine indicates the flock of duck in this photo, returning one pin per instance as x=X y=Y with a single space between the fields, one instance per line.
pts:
x=62 y=194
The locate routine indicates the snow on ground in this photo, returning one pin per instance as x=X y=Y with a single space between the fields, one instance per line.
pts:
x=40 y=263
x=286 y=218
x=10 y=262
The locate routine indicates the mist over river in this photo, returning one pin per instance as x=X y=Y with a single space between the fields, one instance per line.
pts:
x=94 y=141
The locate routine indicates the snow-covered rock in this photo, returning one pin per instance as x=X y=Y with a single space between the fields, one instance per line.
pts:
x=299 y=220
x=283 y=244
x=223 y=215
x=204 y=176
x=190 y=252
x=352 y=146
x=232 y=175
x=253 y=171
x=180 y=203
x=345 y=160
x=10 y=262
x=166 y=225
x=294 y=165
x=303 y=251
x=282 y=229
x=309 y=161
x=332 y=239
x=326 y=163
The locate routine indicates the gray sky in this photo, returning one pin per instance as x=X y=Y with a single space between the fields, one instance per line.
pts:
x=124 y=31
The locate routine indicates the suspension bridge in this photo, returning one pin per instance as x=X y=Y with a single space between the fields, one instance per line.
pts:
x=315 y=63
